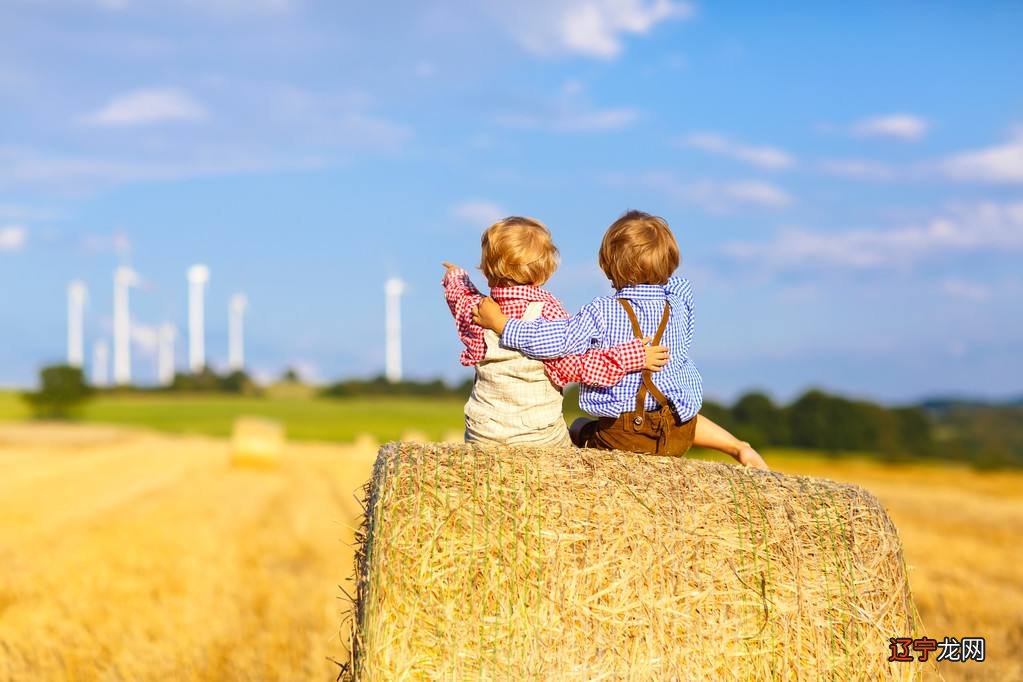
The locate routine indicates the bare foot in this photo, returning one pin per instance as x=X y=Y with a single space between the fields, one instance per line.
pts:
x=751 y=458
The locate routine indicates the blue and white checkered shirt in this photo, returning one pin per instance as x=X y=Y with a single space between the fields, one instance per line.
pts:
x=604 y=323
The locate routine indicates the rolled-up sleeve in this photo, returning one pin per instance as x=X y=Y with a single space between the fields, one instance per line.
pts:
x=680 y=296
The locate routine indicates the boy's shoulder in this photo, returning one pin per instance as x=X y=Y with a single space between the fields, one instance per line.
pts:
x=679 y=286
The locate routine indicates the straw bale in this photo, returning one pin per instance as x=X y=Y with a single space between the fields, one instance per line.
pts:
x=256 y=442
x=518 y=564
x=414 y=436
x=453 y=437
x=365 y=442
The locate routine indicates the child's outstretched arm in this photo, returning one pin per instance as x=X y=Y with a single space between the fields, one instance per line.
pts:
x=542 y=339
x=607 y=366
x=462 y=296
x=600 y=366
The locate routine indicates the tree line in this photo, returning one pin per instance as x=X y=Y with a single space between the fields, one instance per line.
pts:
x=987 y=436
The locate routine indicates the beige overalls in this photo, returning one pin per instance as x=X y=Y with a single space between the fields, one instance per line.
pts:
x=512 y=401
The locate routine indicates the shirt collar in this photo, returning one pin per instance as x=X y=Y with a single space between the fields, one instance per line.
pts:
x=521 y=292
x=642 y=291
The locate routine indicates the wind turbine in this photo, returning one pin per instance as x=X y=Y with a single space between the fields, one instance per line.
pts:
x=124 y=279
x=100 y=363
x=393 y=288
x=198 y=276
x=236 y=332
x=76 y=294
x=165 y=354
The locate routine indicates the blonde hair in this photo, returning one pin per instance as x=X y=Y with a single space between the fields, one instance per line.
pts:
x=518 y=250
x=638 y=248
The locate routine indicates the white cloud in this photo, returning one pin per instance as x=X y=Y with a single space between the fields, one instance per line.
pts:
x=425 y=69
x=212 y=6
x=858 y=168
x=13 y=237
x=478 y=213
x=363 y=130
x=573 y=120
x=118 y=243
x=906 y=127
x=79 y=174
x=770 y=158
x=998 y=164
x=28 y=213
x=592 y=28
x=149 y=106
x=970 y=291
x=987 y=226
x=716 y=196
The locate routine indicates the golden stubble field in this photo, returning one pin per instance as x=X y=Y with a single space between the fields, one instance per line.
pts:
x=127 y=555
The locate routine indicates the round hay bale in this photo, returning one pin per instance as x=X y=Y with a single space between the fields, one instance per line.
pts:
x=256 y=442
x=519 y=564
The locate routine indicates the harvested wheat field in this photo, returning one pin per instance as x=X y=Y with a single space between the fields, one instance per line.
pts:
x=126 y=555
x=132 y=556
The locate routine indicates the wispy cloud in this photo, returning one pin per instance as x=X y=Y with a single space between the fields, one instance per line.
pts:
x=213 y=6
x=986 y=226
x=962 y=289
x=715 y=196
x=569 y=111
x=591 y=28
x=147 y=107
x=859 y=169
x=478 y=212
x=998 y=164
x=20 y=168
x=572 y=121
x=117 y=242
x=900 y=126
x=13 y=237
x=28 y=213
x=770 y=158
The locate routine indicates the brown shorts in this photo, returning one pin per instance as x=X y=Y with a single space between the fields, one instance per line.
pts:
x=619 y=433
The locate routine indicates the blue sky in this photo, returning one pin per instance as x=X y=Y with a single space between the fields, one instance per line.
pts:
x=845 y=180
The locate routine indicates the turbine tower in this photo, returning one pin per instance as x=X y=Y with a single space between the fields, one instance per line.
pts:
x=100 y=363
x=124 y=279
x=75 y=314
x=165 y=354
x=394 y=288
x=236 y=332
x=198 y=276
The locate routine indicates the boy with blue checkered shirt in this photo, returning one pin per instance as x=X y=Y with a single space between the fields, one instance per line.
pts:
x=655 y=413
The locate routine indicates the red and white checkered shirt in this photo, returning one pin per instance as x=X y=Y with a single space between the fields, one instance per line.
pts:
x=596 y=367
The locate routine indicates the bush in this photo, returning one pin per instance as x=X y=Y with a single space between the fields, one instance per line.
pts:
x=208 y=381
x=62 y=389
x=380 y=387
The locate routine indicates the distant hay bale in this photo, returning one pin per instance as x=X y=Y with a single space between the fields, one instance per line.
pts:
x=365 y=442
x=453 y=437
x=527 y=564
x=414 y=436
x=256 y=442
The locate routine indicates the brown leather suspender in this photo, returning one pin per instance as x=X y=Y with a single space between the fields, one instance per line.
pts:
x=647 y=383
